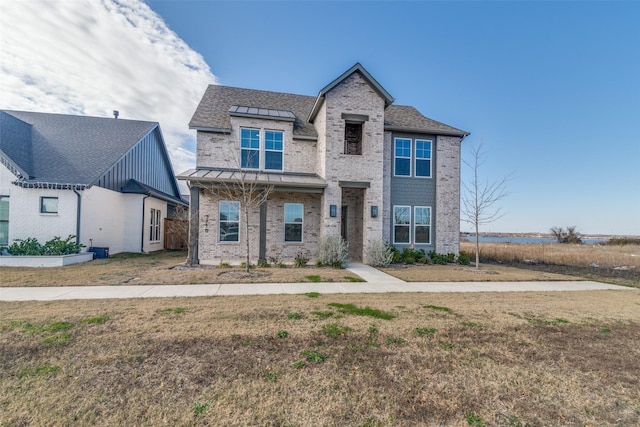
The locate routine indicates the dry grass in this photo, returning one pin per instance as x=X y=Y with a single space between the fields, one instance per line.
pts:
x=459 y=273
x=551 y=359
x=614 y=264
x=158 y=268
x=607 y=256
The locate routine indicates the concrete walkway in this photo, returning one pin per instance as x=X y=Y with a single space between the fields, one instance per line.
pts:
x=377 y=282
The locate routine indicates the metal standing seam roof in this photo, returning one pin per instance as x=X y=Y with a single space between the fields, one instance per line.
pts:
x=262 y=112
x=233 y=176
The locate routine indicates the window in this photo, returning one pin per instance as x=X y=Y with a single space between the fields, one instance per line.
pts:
x=422 y=225
x=4 y=220
x=402 y=157
x=353 y=138
x=250 y=148
x=154 y=225
x=48 y=205
x=293 y=216
x=401 y=224
x=273 y=150
x=423 y=158
x=229 y=221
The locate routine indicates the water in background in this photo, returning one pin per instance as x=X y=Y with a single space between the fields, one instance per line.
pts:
x=536 y=240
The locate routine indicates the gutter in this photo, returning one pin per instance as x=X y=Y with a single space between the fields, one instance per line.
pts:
x=78 y=213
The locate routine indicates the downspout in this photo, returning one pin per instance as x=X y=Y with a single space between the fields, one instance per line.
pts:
x=78 y=212
x=143 y=226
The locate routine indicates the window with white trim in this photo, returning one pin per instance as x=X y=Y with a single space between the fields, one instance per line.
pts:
x=154 y=225
x=402 y=224
x=423 y=158
x=48 y=205
x=422 y=225
x=402 y=157
x=261 y=149
x=293 y=220
x=229 y=221
x=4 y=220
x=249 y=148
x=273 y=150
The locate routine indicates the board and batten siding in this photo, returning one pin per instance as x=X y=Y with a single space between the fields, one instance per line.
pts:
x=142 y=163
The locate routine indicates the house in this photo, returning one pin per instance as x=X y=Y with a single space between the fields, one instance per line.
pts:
x=346 y=162
x=108 y=181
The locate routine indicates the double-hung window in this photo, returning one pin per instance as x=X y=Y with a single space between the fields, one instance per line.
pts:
x=401 y=224
x=422 y=224
x=229 y=220
x=261 y=149
x=402 y=157
x=249 y=148
x=423 y=158
x=293 y=219
x=273 y=150
x=154 y=225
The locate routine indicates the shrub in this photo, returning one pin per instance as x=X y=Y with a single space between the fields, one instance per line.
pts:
x=570 y=235
x=333 y=251
x=464 y=259
x=438 y=258
x=379 y=254
x=55 y=246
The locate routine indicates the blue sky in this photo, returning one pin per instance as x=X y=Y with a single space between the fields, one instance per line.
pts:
x=552 y=89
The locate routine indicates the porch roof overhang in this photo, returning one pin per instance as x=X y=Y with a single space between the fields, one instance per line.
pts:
x=280 y=181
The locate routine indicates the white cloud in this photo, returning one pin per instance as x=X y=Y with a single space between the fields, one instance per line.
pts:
x=91 y=57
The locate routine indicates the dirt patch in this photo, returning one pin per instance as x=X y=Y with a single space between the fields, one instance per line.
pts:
x=240 y=274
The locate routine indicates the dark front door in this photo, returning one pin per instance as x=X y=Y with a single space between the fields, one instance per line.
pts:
x=343 y=223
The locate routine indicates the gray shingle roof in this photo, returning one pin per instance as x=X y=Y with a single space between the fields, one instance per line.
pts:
x=408 y=119
x=213 y=112
x=67 y=149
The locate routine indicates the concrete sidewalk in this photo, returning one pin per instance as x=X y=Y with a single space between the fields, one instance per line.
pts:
x=376 y=282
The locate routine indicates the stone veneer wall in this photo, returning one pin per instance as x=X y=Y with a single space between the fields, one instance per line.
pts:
x=352 y=96
x=447 y=220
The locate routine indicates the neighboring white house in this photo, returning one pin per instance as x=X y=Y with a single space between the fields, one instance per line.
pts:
x=108 y=181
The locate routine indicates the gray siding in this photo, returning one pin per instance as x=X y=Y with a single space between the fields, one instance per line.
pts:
x=411 y=191
x=143 y=162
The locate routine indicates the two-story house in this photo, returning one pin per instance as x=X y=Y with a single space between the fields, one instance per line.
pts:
x=345 y=162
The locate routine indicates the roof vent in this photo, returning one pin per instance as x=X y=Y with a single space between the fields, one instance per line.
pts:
x=116 y=113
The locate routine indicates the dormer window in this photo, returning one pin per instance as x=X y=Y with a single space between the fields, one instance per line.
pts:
x=261 y=149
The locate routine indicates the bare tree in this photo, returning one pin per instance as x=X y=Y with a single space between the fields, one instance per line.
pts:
x=480 y=197
x=570 y=235
x=250 y=190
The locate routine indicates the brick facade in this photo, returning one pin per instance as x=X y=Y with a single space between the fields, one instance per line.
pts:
x=314 y=146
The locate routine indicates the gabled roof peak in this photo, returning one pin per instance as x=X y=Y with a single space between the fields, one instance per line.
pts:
x=357 y=68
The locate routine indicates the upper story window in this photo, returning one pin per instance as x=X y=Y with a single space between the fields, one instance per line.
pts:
x=353 y=138
x=49 y=205
x=229 y=221
x=412 y=157
x=423 y=158
x=402 y=153
x=273 y=150
x=293 y=218
x=261 y=150
x=250 y=148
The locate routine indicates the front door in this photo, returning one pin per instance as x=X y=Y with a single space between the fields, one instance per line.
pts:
x=343 y=223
